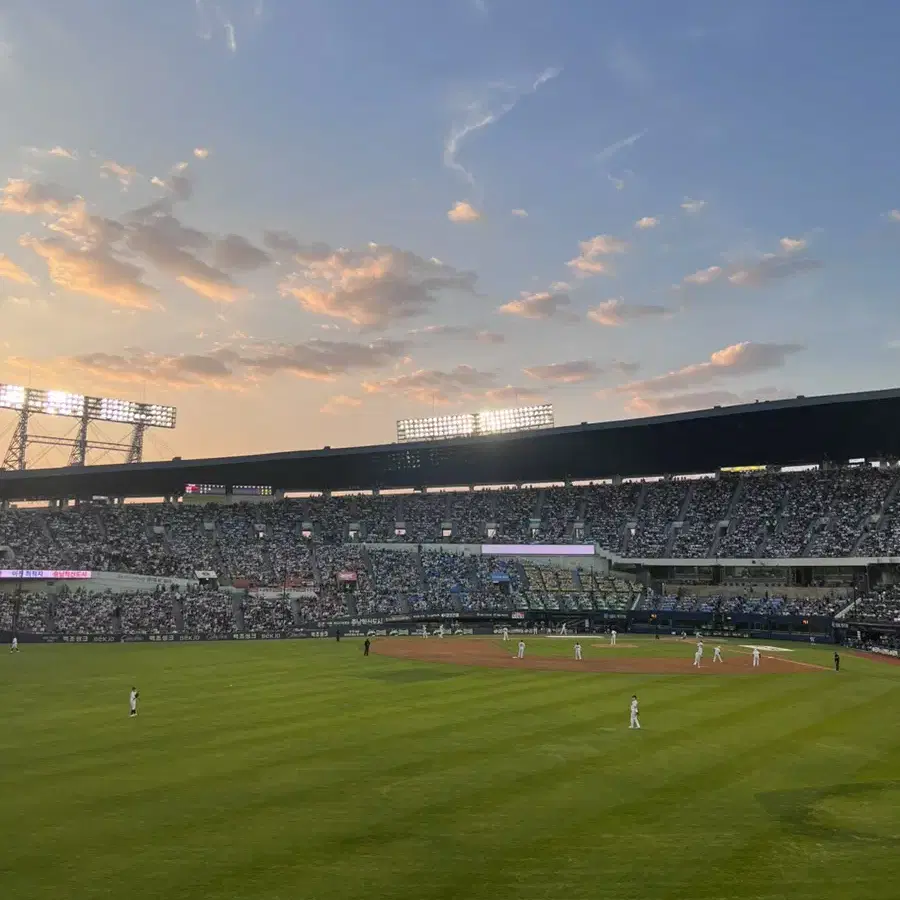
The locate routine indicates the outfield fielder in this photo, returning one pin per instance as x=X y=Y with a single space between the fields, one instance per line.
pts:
x=577 y=650
x=521 y=654
x=612 y=638
x=635 y=722
x=717 y=655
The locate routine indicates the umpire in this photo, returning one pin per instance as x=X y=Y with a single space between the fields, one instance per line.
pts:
x=837 y=661
x=366 y=646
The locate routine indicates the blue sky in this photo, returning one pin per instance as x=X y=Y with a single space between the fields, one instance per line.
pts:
x=300 y=221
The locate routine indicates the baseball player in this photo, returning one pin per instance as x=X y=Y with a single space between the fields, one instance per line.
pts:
x=612 y=638
x=521 y=653
x=755 y=657
x=717 y=654
x=635 y=722
x=505 y=633
x=577 y=650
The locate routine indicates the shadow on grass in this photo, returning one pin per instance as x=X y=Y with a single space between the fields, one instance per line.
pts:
x=798 y=810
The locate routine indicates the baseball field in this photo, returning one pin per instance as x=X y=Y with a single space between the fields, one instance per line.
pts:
x=300 y=769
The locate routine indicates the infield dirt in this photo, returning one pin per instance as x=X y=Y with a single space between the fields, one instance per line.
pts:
x=494 y=655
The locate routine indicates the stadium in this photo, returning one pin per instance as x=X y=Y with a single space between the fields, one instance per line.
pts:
x=271 y=750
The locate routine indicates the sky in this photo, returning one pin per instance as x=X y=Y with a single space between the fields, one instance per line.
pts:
x=298 y=221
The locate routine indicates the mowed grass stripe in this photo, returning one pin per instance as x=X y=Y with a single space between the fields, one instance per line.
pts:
x=500 y=784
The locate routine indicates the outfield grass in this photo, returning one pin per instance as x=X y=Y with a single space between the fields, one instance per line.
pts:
x=299 y=770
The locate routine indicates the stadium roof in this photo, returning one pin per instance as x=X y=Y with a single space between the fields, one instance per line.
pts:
x=781 y=433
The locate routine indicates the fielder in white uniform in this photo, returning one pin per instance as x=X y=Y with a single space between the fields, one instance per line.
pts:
x=132 y=702
x=577 y=651
x=425 y=631
x=697 y=657
x=717 y=655
x=563 y=630
x=612 y=637
x=521 y=654
x=700 y=648
x=441 y=631
x=505 y=634
x=756 y=656
x=14 y=646
x=635 y=722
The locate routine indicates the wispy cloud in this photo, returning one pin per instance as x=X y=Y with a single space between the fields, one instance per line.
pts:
x=201 y=152
x=792 y=245
x=655 y=406
x=435 y=385
x=9 y=271
x=31 y=198
x=737 y=360
x=123 y=174
x=647 y=222
x=461 y=332
x=692 y=206
x=341 y=403
x=578 y=371
x=487 y=111
x=462 y=211
x=611 y=150
x=520 y=213
x=894 y=215
x=616 y=312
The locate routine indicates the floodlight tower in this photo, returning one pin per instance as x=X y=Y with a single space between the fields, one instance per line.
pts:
x=30 y=401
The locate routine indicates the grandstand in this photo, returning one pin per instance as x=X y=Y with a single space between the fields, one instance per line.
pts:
x=816 y=537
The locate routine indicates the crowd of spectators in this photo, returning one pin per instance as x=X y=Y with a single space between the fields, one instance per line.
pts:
x=827 y=512
x=763 y=606
x=878 y=606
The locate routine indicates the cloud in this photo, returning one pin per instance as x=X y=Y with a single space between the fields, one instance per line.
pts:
x=317 y=360
x=94 y=272
x=704 y=276
x=78 y=225
x=772 y=267
x=9 y=271
x=57 y=152
x=589 y=262
x=792 y=245
x=236 y=252
x=612 y=150
x=339 y=404
x=615 y=312
x=655 y=406
x=281 y=242
x=692 y=206
x=201 y=152
x=543 y=305
x=212 y=18
x=164 y=241
x=234 y=364
x=746 y=358
x=464 y=332
x=520 y=213
x=513 y=395
x=894 y=215
x=462 y=211
x=124 y=174
x=618 y=183
x=31 y=198
x=487 y=112
x=647 y=222
x=434 y=385
x=137 y=366
x=574 y=372
x=370 y=288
